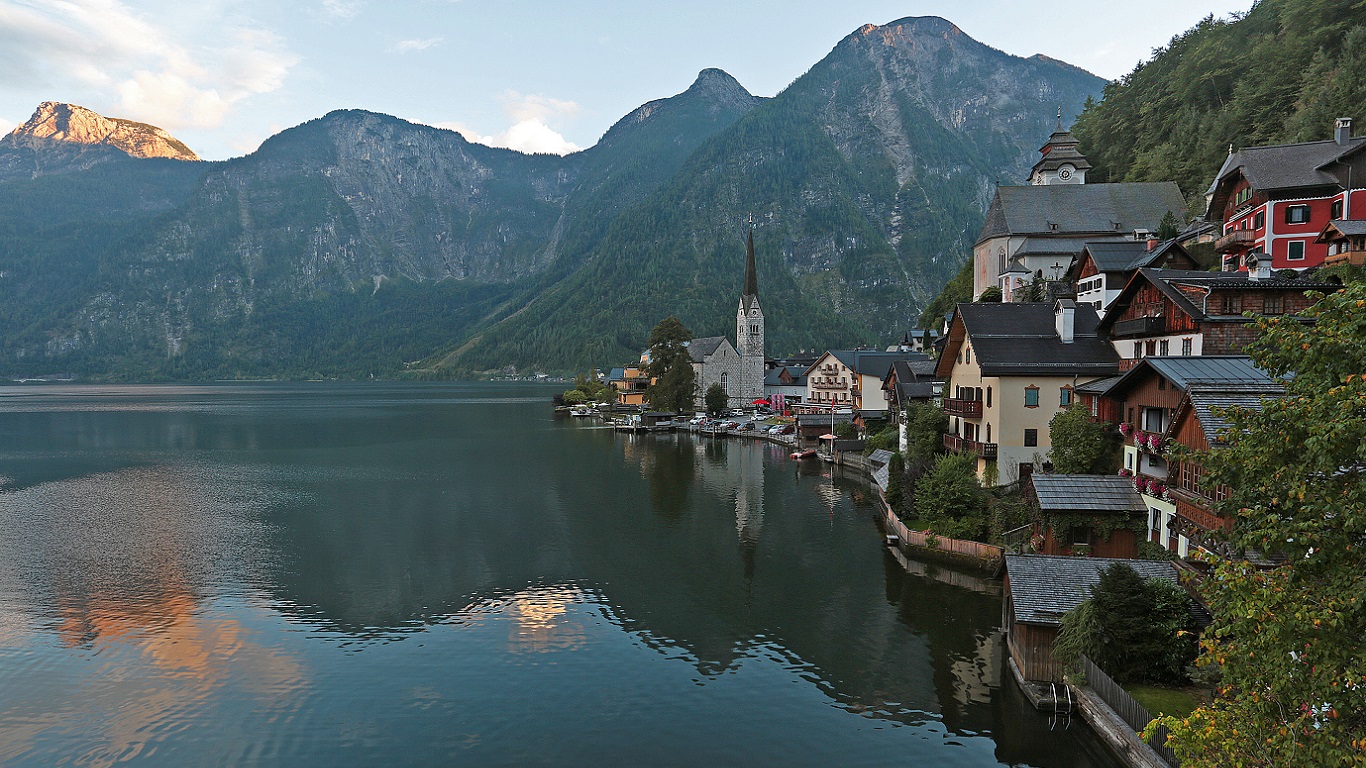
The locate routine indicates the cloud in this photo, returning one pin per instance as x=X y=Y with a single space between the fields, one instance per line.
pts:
x=404 y=46
x=5 y=126
x=530 y=132
x=161 y=75
x=341 y=9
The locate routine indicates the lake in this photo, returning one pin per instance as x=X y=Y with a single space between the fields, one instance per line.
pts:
x=446 y=574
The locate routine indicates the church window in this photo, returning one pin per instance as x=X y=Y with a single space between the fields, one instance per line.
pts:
x=725 y=382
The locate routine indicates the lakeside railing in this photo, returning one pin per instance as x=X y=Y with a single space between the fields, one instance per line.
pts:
x=973 y=549
x=1128 y=708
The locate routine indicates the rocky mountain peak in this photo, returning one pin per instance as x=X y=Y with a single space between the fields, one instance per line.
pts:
x=72 y=124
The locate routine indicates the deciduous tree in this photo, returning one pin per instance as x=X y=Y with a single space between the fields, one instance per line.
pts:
x=1288 y=640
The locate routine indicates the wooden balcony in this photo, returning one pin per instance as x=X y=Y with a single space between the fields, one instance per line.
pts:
x=1237 y=240
x=1140 y=326
x=1354 y=258
x=968 y=409
x=960 y=445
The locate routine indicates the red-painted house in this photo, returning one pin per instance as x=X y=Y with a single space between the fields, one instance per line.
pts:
x=1278 y=199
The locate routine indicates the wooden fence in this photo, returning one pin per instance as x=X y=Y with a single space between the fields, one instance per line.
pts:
x=1127 y=708
x=971 y=549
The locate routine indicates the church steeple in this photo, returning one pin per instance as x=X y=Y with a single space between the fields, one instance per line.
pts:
x=1060 y=161
x=751 y=272
x=749 y=328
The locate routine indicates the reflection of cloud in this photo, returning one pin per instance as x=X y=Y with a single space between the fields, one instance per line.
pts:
x=541 y=622
x=160 y=76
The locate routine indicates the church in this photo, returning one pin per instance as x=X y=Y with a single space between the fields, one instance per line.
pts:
x=1037 y=231
x=739 y=369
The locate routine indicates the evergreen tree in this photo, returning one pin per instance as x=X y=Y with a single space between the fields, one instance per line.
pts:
x=670 y=366
x=716 y=400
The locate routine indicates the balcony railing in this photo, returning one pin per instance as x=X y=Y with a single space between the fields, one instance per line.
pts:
x=1354 y=258
x=1140 y=326
x=962 y=445
x=1237 y=240
x=955 y=406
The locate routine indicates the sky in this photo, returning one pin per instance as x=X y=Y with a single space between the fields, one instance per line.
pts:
x=534 y=75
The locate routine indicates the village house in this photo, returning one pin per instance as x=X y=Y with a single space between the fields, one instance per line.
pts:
x=1144 y=402
x=1200 y=424
x=852 y=378
x=1188 y=313
x=1087 y=515
x=1346 y=243
x=1278 y=199
x=1008 y=369
x=785 y=385
x=630 y=382
x=1105 y=267
x=1036 y=232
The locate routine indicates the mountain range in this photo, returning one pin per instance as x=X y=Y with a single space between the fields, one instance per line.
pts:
x=359 y=243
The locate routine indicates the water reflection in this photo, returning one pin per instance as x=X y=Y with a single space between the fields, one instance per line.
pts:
x=288 y=573
x=119 y=568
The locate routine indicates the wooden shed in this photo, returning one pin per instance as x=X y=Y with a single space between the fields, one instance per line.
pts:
x=1101 y=515
x=1039 y=589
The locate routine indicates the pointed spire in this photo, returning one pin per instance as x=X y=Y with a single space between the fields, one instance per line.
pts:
x=751 y=272
x=1060 y=119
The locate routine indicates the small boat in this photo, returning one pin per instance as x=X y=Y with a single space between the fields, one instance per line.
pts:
x=582 y=410
x=806 y=454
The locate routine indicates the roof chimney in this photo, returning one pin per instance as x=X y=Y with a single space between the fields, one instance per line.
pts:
x=1258 y=266
x=1152 y=242
x=1342 y=131
x=1064 y=319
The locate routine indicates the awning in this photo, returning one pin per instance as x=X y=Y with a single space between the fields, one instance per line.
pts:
x=760 y=402
x=828 y=436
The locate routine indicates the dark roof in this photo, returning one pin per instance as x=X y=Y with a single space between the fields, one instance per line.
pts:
x=1286 y=166
x=880 y=456
x=871 y=362
x=818 y=419
x=915 y=379
x=1087 y=493
x=699 y=349
x=1205 y=401
x=1060 y=148
x=616 y=374
x=1022 y=338
x=1050 y=246
x=1079 y=209
x=1186 y=372
x=1097 y=387
x=1130 y=255
x=798 y=373
x=1349 y=228
x=1044 y=587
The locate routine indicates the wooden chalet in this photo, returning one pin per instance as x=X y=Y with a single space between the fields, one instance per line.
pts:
x=1105 y=267
x=1165 y=312
x=1346 y=241
x=1200 y=423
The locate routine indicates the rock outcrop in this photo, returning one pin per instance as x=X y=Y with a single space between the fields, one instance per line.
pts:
x=68 y=123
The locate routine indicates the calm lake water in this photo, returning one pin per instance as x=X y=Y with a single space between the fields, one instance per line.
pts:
x=361 y=574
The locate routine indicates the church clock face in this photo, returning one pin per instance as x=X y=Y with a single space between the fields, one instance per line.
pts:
x=1065 y=173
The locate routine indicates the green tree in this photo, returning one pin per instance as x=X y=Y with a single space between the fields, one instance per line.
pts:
x=1135 y=629
x=991 y=295
x=1287 y=641
x=1169 y=227
x=950 y=499
x=926 y=425
x=716 y=400
x=1080 y=445
x=671 y=368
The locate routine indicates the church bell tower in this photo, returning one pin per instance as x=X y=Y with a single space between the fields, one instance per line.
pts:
x=749 y=329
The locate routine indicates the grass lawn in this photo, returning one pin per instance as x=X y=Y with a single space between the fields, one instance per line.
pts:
x=1177 y=702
